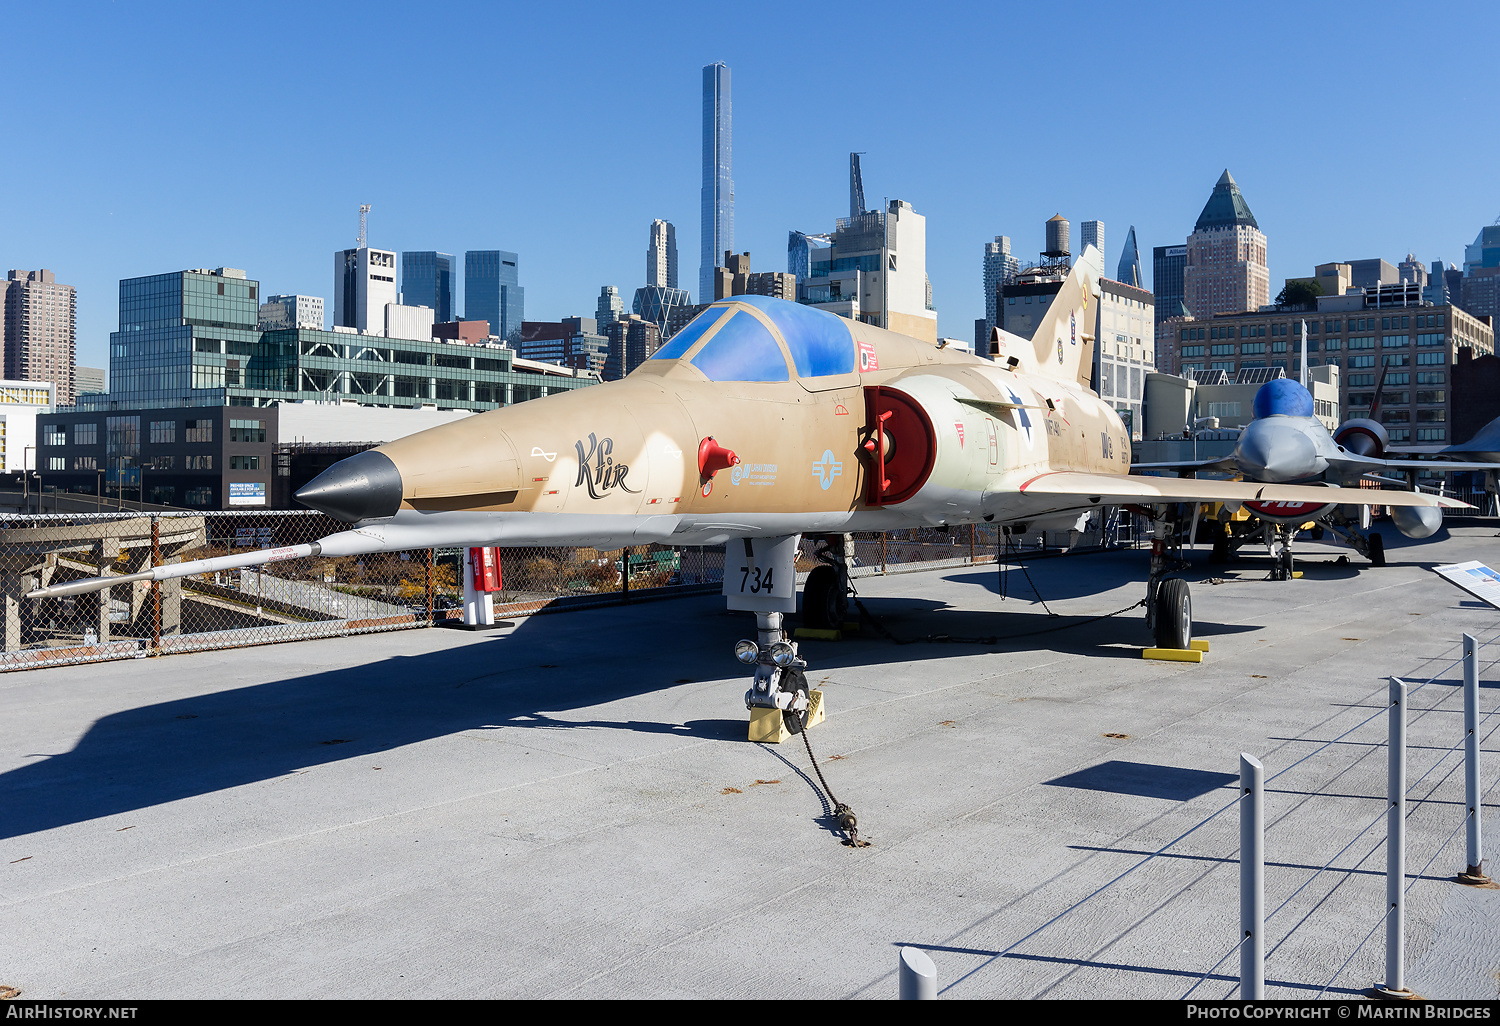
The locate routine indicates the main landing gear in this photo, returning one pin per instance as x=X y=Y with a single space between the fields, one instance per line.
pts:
x=1371 y=546
x=825 y=596
x=1169 y=607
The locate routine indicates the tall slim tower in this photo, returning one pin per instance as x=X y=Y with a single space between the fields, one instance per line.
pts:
x=1129 y=270
x=718 y=183
x=856 y=187
x=1226 y=256
x=661 y=255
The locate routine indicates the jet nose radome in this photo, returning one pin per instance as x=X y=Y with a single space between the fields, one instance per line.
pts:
x=364 y=486
x=1277 y=452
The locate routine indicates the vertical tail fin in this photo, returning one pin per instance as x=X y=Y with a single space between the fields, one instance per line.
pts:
x=1064 y=340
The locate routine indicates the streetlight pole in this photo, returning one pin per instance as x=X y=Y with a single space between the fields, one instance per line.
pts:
x=26 y=479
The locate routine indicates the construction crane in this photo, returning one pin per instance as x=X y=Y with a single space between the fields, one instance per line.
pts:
x=364 y=208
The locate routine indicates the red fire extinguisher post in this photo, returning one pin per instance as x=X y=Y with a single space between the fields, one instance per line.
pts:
x=481 y=579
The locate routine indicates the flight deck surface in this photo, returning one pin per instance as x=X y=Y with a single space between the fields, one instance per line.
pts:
x=568 y=808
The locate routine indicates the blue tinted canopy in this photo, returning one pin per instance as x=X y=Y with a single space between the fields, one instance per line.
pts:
x=683 y=341
x=742 y=350
x=819 y=342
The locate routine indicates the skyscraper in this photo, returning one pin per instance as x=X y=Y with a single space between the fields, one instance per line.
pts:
x=611 y=307
x=1479 y=289
x=717 y=226
x=799 y=252
x=1091 y=233
x=364 y=282
x=999 y=267
x=856 y=187
x=492 y=291
x=1167 y=263
x=875 y=271
x=1226 y=256
x=427 y=280
x=38 y=330
x=1129 y=270
x=661 y=255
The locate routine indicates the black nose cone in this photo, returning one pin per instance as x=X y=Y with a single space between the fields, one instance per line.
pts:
x=365 y=486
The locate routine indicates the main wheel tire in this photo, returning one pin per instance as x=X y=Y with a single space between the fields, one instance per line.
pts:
x=1220 y=551
x=1174 y=614
x=824 y=603
x=1376 y=546
x=793 y=679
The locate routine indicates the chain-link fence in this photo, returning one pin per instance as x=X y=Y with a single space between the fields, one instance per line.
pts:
x=322 y=596
x=303 y=598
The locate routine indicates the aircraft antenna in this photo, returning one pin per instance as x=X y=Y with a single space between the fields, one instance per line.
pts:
x=364 y=208
x=1304 y=353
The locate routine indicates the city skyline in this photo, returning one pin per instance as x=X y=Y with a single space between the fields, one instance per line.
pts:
x=226 y=202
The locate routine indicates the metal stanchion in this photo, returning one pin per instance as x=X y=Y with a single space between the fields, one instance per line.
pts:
x=155 y=586
x=918 y=976
x=1473 y=874
x=1395 y=848
x=1252 y=879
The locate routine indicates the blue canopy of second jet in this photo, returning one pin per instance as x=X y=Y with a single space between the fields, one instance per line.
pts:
x=1283 y=397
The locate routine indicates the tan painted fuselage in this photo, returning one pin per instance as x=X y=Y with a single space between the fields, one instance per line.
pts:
x=630 y=448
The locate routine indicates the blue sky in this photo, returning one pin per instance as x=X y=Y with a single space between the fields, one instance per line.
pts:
x=145 y=138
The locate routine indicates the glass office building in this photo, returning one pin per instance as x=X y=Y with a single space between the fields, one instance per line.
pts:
x=1167 y=266
x=718 y=183
x=427 y=280
x=190 y=339
x=492 y=291
x=165 y=320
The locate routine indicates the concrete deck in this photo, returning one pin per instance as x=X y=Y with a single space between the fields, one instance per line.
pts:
x=568 y=808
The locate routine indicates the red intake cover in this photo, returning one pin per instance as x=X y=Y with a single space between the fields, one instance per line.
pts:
x=713 y=457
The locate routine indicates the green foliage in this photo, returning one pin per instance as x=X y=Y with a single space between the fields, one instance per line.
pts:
x=1299 y=293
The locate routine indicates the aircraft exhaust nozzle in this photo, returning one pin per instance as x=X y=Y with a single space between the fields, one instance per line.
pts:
x=1417 y=521
x=365 y=486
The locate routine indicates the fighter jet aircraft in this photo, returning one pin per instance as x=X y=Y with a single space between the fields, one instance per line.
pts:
x=762 y=421
x=1483 y=448
x=1285 y=443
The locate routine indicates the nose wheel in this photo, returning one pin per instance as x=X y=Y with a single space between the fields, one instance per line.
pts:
x=1279 y=543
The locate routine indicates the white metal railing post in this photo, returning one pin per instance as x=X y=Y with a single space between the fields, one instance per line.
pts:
x=1395 y=844
x=1252 y=879
x=1474 y=872
x=918 y=976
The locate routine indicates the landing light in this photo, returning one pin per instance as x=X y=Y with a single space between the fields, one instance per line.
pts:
x=782 y=654
x=746 y=651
